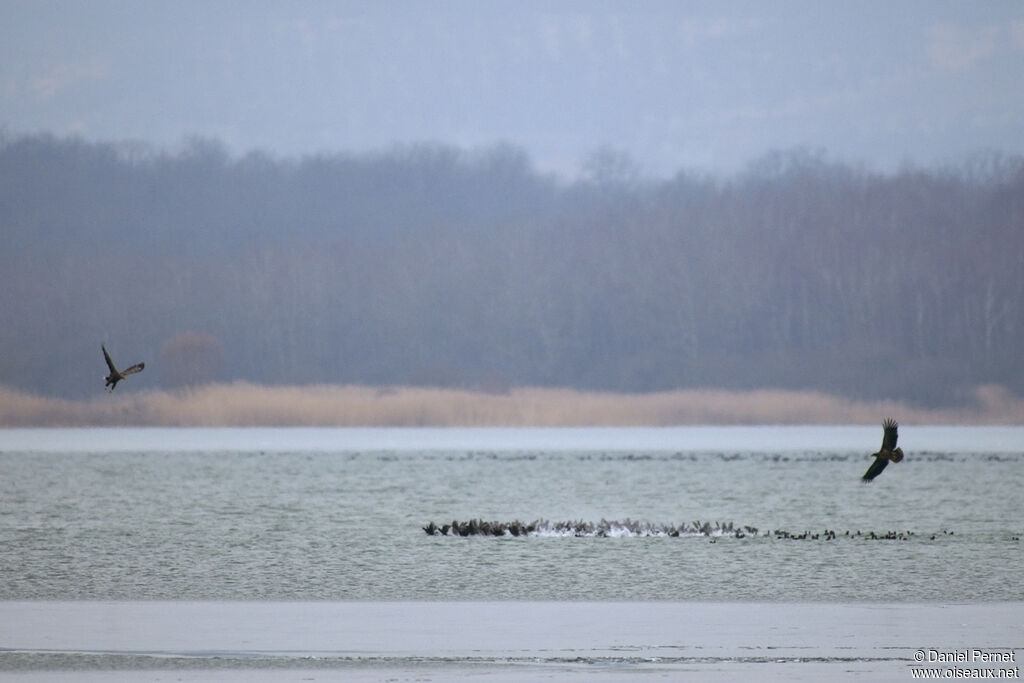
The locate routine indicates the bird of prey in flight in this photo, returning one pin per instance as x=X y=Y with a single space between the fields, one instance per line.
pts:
x=116 y=375
x=888 y=452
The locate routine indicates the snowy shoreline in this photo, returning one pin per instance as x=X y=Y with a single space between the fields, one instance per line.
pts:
x=270 y=641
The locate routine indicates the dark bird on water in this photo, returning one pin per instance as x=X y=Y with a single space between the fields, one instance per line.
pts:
x=116 y=375
x=888 y=452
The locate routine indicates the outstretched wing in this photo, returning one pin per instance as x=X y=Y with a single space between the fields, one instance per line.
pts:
x=133 y=369
x=106 y=357
x=876 y=468
x=889 y=435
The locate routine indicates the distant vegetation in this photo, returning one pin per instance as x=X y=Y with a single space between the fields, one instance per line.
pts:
x=247 y=405
x=432 y=266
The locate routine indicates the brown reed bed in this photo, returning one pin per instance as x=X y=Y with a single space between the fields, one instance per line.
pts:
x=243 y=404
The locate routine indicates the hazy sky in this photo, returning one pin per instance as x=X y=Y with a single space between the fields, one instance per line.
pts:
x=701 y=86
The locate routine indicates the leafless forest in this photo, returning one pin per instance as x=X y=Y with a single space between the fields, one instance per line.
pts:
x=433 y=266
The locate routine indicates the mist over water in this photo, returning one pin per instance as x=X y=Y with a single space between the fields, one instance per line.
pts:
x=300 y=515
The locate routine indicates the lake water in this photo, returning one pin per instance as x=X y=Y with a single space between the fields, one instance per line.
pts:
x=310 y=541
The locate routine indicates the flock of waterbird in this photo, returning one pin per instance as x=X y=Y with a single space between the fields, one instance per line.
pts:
x=629 y=527
x=889 y=452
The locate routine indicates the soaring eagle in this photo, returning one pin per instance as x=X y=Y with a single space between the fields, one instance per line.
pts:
x=888 y=451
x=116 y=375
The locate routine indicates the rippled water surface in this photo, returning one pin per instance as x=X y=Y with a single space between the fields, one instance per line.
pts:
x=338 y=514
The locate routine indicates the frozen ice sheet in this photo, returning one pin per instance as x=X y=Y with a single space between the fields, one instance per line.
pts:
x=269 y=641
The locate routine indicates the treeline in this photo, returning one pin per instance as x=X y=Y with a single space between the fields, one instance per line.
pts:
x=430 y=265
